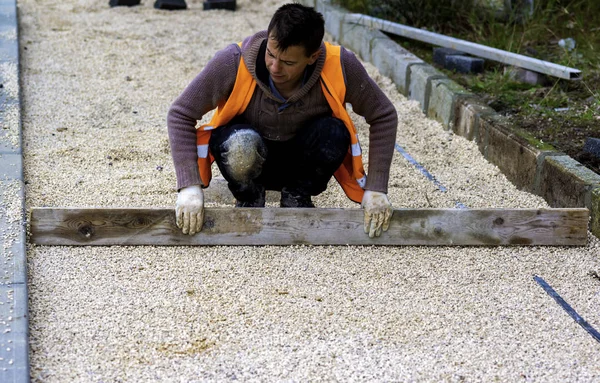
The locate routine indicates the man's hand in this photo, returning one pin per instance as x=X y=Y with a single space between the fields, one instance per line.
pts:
x=189 y=210
x=378 y=212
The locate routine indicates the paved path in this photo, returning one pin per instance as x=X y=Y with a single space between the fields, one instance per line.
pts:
x=14 y=363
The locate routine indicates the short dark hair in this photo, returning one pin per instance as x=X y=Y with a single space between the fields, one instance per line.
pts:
x=295 y=24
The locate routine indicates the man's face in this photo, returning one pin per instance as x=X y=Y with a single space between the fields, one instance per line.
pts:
x=287 y=67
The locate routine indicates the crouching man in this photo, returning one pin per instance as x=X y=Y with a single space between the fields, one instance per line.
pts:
x=281 y=123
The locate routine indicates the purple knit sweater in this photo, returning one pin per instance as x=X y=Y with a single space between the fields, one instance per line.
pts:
x=215 y=83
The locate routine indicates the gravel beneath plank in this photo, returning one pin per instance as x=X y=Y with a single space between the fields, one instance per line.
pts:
x=97 y=83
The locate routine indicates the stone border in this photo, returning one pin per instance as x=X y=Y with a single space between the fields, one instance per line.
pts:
x=14 y=331
x=530 y=164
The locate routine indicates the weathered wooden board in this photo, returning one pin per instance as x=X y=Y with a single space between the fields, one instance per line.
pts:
x=277 y=226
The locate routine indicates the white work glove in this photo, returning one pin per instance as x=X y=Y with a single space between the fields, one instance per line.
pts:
x=189 y=209
x=378 y=212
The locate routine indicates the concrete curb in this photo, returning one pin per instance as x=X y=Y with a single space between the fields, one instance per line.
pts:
x=527 y=162
x=14 y=331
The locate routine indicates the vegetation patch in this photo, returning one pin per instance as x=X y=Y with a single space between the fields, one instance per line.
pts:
x=558 y=112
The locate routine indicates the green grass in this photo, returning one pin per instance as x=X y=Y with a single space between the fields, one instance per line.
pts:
x=562 y=113
x=537 y=36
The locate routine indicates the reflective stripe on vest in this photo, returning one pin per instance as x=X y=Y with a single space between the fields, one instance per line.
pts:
x=203 y=151
x=350 y=175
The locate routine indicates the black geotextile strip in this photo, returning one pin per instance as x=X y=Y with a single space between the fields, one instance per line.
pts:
x=580 y=321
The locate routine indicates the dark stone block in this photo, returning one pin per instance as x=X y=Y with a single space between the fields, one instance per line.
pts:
x=439 y=55
x=592 y=146
x=219 y=4
x=527 y=76
x=464 y=64
x=125 y=3
x=170 y=4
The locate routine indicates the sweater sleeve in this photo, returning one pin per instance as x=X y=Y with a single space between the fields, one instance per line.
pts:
x=212 y=86
x=369 y=101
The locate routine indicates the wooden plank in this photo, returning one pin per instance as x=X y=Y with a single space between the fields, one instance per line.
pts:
x=478 y=50
x=277 y=226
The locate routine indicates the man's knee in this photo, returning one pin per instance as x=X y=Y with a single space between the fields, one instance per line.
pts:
x=242 y=154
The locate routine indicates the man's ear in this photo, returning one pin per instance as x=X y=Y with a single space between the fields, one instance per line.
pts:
x=314 y=57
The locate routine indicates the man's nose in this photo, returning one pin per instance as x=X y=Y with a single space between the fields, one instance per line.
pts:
x=275 y=66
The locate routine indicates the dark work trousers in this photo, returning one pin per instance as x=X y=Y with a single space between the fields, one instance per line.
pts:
x=301 y=166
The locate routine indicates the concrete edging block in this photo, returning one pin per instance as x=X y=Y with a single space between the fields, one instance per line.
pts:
x=334 y=19
x=393 y=61
x=565 y=182
x=308 y=3
x=401 y=76
x=11 y=166
x=518 y=162
x=420 y=78
x=595 y=212
x=14 y=358
x=467 y=116
x=514 y=151
x=319 y=6
x=358 y=39
x=384 y=55
x=441 y=105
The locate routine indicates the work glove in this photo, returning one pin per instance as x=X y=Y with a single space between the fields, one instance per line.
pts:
x=378 y=212
x=189 y=210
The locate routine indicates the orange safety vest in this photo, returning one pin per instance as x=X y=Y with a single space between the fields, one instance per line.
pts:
x=350 y=175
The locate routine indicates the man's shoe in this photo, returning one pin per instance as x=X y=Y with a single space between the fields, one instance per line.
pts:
x=259 y=202
x=170 y=4
x=219 y=4
x=123 y=3
x=294 y=199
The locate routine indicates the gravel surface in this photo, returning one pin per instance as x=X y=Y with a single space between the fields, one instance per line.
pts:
x=97 y=83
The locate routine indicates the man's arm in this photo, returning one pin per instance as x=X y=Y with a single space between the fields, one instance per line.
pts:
x=203 y=94
x=369 y=101
x=212 y=86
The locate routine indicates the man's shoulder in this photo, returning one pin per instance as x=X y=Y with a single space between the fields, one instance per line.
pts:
x=345 y=56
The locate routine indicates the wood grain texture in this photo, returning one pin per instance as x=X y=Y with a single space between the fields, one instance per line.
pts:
x=277 y=226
